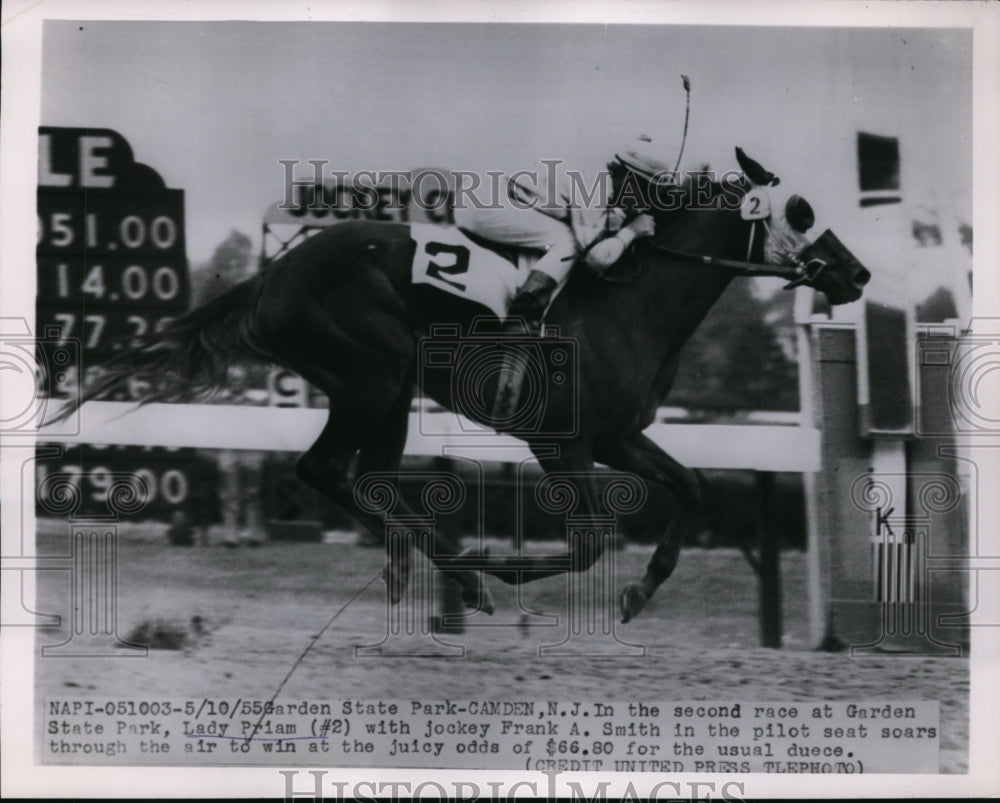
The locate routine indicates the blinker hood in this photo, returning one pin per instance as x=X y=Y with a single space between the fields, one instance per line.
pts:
x=832 y=269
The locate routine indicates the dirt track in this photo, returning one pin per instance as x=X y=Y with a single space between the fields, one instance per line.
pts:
x=260 y=608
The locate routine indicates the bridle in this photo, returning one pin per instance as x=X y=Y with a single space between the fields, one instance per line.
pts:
x=800 y=272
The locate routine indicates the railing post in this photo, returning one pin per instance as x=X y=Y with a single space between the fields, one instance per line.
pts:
x=770 y=562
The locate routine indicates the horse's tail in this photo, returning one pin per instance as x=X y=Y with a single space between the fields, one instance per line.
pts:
x=188 y=359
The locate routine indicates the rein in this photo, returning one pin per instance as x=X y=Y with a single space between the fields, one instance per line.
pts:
x=744 y=268
x=797 y=274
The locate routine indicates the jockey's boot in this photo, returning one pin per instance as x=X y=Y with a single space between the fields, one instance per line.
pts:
x=528 y=306
x=530 y=303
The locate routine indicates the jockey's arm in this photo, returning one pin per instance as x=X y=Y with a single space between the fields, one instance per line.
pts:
x=607 y=251
x=603 y=238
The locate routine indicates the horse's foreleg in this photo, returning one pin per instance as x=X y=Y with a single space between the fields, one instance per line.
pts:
x=686 y=487
x=641 y=456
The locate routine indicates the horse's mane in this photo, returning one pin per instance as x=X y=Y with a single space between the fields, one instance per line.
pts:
x=680 y=208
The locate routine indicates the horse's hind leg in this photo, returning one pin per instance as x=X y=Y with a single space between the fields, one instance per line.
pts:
x=382 y=454
x=640 y=455
x=325 y=465
x=379 y=447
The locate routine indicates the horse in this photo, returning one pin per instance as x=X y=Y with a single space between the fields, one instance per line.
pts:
x=341 y=311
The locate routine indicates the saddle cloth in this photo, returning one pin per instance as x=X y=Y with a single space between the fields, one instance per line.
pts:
x=448 y=260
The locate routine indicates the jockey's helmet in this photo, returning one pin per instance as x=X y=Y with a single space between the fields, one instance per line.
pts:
x=640 y=157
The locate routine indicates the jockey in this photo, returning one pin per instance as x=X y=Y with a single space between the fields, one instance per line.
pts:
x=546 y=219
x=596 y=235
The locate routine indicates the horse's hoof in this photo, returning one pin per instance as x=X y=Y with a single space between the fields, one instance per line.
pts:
x=483 y=600
x=475 y=594
x=478 y=599
x=632 y=600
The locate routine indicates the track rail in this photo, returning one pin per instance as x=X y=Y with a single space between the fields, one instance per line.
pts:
x=758 y=447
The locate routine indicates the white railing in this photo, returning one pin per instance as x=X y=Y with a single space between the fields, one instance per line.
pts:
x=759 y=447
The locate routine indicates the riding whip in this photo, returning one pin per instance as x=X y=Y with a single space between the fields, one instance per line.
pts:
x=687 y=113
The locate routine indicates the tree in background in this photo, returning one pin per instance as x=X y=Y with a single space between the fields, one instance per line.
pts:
x=231 y=263
x=240 y=490
x=965 y=233
x=735 y=359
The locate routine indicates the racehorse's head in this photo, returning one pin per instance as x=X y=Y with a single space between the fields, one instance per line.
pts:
x=748 y=222
x=825 y=264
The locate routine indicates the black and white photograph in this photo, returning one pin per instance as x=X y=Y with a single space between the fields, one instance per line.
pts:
x=587 y=400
